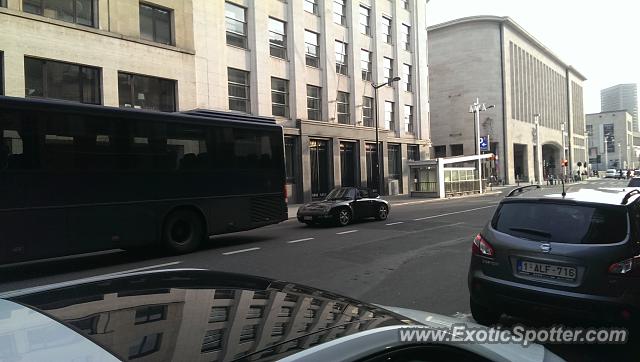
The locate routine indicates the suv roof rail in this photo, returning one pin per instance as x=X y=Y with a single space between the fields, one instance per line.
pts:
x=628 y=195
x=521 y=189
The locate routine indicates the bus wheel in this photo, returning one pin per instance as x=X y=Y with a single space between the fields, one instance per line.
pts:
x=183 y=231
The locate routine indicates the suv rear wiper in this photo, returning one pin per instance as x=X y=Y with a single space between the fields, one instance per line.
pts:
x=532 y=231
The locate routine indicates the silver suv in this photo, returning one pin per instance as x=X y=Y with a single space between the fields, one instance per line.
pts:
x=577 y=254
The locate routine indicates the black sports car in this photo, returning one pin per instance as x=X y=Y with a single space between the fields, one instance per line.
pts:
x=343 y=205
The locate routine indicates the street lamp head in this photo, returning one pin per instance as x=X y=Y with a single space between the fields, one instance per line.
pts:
x=471 y=110
x=491 y=106
x=395 y=79
x=483 y=107
x=537 y=115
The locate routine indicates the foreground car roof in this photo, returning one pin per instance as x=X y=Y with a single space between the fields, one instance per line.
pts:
x=193 y=315
x=609 y=195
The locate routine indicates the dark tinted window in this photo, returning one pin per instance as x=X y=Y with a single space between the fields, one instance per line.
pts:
x=145 y=346
x=138 y=91
x=252 y=149
x=155 y=24
x=19 y=149
x=72 y=11
x=634 y=182
x=59 y=80
x=560 y=223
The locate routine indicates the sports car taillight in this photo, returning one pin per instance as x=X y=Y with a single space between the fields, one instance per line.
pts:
x=482 y=247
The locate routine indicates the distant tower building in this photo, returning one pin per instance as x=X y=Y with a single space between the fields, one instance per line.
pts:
x=621 y=97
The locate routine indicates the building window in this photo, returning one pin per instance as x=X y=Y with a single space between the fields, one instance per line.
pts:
x=389 y=116
x=589 y=129
x=311 y=48
x=440 y=151
x=155 y=24
x=277 y=38
x=406 y=37
x=145 y=346
x=367 y=112
x=387 y=69
x=236 y=24
x=340 y=12
x=3 y=3
x=364 y=20
x=59 y=80
x=72 y=11
x=290 y=159
x=279 y=97
x=395 y=162
x=139 y=91
x=1 y=73
x=151 y=314
x=457 y=149
x=341 y=58
x=405 y=4
x=314 y=110
x=238 y=87
x=343 y=108
x=408 y=119
x=365 y=64
x=406 y=77
x=311 y=6
x=413 y=152
x=386 y=29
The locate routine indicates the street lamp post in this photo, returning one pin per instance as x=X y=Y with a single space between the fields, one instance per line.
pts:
x=619 y=158
x=564 y=152
x=538 y=148
x=476 y=108
x=606 y=154
x=378 y=169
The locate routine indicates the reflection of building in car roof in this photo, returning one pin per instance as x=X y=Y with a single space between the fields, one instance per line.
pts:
x=215 y=324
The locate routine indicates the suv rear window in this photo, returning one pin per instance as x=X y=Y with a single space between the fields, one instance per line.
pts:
x=562 y=223
x=634 y=182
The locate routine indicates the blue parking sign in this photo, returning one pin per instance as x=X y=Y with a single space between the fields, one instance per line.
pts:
x=484 y=143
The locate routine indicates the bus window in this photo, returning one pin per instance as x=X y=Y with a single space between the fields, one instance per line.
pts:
x=189 y=143
x=18 y=146
x=252 y=149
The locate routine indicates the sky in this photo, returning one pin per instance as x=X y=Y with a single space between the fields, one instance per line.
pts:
x=601 y=39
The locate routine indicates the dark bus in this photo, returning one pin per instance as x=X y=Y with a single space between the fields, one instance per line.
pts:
x=78 y=178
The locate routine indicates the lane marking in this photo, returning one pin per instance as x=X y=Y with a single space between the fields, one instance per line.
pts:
x=299 y=240
x=240 y=251
x=453 y=213
x=395 y=223
x=347 y=232
x=143 y=268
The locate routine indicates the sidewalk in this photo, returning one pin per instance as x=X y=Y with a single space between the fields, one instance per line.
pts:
x=405 y=199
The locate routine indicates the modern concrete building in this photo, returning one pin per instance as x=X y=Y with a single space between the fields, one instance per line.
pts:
x=494 y=59
x=621 y=97
x=610 y=140
x=309 y=63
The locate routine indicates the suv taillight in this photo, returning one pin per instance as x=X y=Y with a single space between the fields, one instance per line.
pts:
x=629 y=266
x=482 y=247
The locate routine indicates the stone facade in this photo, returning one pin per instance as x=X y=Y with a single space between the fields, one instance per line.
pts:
x=495 y=60
x=616 y=127
x=198 y=60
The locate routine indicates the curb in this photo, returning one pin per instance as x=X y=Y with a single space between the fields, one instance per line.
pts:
x=435 y=200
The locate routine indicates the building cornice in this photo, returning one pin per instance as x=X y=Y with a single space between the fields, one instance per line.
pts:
x=513 y=25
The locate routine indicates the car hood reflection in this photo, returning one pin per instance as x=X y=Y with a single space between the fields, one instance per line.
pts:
x=198 y=315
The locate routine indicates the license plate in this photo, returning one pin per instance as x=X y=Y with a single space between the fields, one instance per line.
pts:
x=307 y=218
x=546 y=270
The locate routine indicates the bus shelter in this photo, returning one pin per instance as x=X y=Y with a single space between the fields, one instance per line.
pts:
x=449 y=176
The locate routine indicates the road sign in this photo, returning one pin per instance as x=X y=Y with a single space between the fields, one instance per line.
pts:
x=484 y=143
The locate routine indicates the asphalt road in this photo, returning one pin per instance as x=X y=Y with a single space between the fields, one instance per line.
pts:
x=418 y=258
